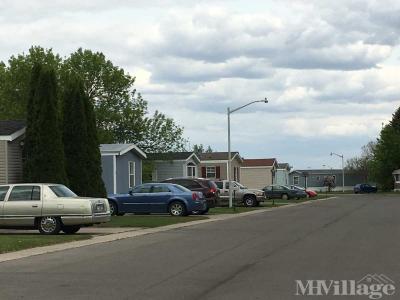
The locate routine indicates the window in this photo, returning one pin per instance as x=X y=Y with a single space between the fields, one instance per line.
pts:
x=210 y=172
x=142 y=189
x=318 y=178
x=131 y=174
x=194 y=185
x=220 y=184
x=295 y=180
x=160 y=189
x=25 y=193
x=62 y=191
x=3 y=192
x=191 y=170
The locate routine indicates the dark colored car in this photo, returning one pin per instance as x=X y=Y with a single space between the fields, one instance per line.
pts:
x=158 y=198
x=283 y=192
x=365 y=188
x=206 y=186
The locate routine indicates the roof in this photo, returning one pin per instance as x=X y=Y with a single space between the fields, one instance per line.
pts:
x=120 y=149
x=11 y=129
x=259 y=162
x=170 y=156
x=318 y=171
x=218 y=156
x=283 y=166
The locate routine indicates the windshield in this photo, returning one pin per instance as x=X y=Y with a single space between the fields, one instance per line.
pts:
x=62 y=191
x=240 y=186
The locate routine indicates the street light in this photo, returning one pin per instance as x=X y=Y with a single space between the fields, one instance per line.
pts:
x=229 y=112
x=342 y=157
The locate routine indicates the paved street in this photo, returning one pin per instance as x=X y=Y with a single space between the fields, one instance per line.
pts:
x=253 y=257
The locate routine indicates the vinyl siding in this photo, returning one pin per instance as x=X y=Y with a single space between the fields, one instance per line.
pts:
x=222 y=166
x=168 y=169
x=3 y=163
x=15 y=161
x=123 y=171
x=282 y=177
x=107 y=173
x=256 y=178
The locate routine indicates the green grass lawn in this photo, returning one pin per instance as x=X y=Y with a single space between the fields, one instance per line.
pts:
x=15 y=242
x=148 y=221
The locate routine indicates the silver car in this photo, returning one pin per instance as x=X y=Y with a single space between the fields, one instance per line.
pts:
x=49 y=208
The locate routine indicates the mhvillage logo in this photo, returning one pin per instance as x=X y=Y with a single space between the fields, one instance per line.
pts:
x=372 y=285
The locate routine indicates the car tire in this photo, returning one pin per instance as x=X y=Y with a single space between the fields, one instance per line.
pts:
x=177 y=209
x=113 y=208
x=285 y=197
x=249 y=201
x=71 y=229
x=49 y=225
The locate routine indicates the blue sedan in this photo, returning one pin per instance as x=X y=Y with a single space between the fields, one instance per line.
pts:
x=158 y=198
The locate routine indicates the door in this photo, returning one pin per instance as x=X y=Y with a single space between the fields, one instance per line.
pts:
x=136 y=201
x=3 y=194
x=23 y=205
x=158 y=199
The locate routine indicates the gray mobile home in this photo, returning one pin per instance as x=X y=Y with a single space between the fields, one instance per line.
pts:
x=122 y=167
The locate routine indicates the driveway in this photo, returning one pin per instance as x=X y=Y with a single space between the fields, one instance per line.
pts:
x=258 y=256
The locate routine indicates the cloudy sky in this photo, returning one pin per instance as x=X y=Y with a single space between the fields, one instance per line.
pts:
x=330 y=69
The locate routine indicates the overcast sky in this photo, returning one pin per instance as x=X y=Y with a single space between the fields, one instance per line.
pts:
x=330 y=69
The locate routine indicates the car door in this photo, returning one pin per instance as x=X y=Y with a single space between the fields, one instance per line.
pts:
x=136 y=201
x=23 y=205
x=3 y=194
x=158 y=199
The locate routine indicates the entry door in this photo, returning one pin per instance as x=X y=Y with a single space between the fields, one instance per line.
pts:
x=24 y=204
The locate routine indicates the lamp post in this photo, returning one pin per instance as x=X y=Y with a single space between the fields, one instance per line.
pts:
x=342 y=157
x=229 y=112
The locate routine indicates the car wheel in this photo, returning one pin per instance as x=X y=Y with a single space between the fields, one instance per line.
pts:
x=249 y=201
x=113 y=208
x=49 y=225
x=177 y=209
x=284 y=197
x=71 y=229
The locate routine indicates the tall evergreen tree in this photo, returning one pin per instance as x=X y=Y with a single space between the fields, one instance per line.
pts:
x=48 y=156
x=75 y=137
x=31 y=124
x=386 y=155
x=96 y=186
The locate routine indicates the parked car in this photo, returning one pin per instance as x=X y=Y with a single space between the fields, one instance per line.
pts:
x=310 y=193
x=49 y=208
x=158 y=198
x=365 y=188
x=283 y=192
x=205 y=186
x=240 y=195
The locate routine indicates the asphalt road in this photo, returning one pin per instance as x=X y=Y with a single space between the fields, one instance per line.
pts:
x=252 y=257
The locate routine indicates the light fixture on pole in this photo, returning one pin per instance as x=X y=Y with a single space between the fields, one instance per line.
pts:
x=229 y=112
x=342 y=157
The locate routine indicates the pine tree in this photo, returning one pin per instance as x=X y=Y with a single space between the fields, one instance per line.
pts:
x=96 y=186
x=31 y=125
x=386 y=154
x=48 y=157
x=75 y=137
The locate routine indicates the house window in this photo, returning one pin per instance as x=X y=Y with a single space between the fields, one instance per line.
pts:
x=210 y=172
x=295 y=180
x=191 y=170
x=131 y=174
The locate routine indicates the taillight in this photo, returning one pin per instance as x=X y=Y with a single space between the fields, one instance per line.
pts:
x=195 y=196
x=213 y=190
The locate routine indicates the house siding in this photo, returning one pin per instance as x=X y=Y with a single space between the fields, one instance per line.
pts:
x=107 y=173
x=3 y=162
x=123 y=171
x=224 y=169
x=282 y=177
x=257 y=177
x=14 y=155
x=168 y=169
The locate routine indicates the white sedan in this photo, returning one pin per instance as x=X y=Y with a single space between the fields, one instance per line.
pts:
x=49 y=208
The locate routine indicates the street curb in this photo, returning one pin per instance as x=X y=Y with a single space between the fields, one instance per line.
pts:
x=135 y=233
